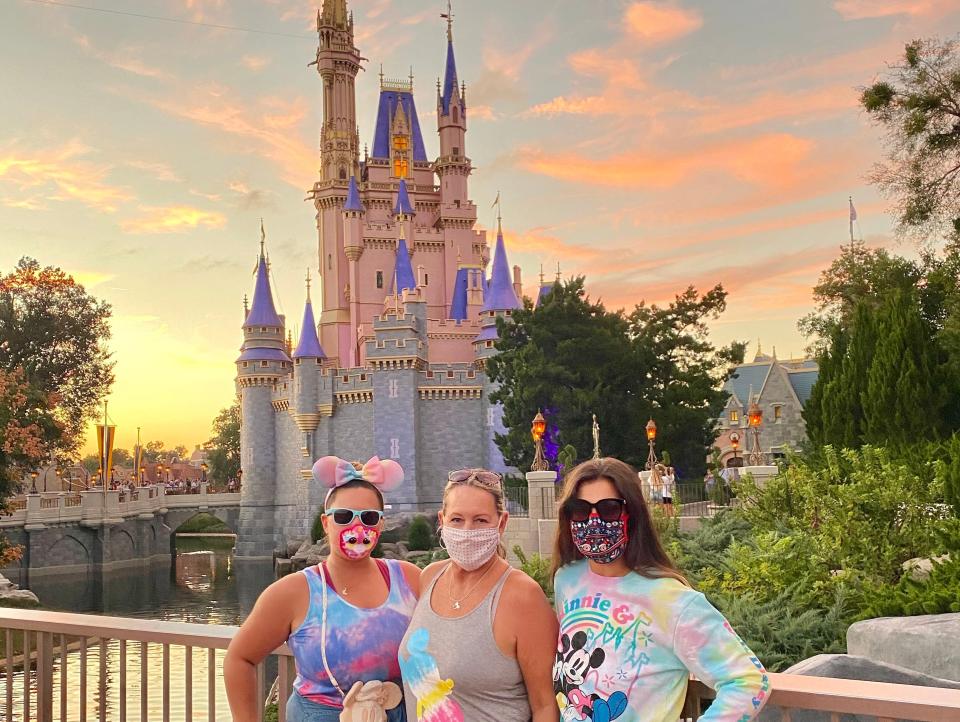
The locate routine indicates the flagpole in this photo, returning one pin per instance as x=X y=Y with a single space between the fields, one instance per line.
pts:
x=106 y=455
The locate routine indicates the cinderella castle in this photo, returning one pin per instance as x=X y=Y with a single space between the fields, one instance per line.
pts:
x=394 y=364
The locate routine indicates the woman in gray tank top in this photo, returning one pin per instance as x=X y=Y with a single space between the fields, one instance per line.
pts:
x=481 y=644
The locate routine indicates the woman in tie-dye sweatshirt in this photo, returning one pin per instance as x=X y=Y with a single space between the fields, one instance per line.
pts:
x=631 y=628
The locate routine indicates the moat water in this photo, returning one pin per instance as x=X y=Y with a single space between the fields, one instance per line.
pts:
x=200 y=584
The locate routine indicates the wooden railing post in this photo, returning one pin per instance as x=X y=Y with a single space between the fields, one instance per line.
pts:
x=45 y=676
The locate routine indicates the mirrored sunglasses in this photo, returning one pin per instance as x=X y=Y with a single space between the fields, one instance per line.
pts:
x=343 y=517
x=486 y=478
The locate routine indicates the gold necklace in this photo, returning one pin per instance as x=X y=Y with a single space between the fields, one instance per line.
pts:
x=343 y=592
x=456 y=602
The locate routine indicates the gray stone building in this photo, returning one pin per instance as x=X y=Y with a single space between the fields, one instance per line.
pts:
x=780 y=389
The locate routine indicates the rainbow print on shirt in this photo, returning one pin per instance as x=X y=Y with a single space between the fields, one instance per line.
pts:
x=420 y=672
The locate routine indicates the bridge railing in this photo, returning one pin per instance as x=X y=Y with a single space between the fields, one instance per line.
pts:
x=136 y=669
x=95 y=506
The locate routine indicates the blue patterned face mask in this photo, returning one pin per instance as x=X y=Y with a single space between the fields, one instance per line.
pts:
x=598 y=540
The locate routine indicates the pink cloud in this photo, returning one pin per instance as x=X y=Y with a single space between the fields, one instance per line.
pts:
x=173 y=219
x=58 y=174
x=861 y=9
x=654 y=23
x=254 y=63
x=767 y=158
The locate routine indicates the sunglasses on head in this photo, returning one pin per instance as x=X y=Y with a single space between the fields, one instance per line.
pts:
x=342 y=516
x=486 y=478
x=607 y=509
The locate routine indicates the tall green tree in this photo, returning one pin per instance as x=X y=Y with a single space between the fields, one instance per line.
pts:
x=917 y=104
x=902 y=400
x=842 y=414
x=572 y=357
x=57 y=333
x=225 y=444
x=815 y=411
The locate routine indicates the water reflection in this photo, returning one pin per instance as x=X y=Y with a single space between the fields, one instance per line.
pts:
x=201 y=584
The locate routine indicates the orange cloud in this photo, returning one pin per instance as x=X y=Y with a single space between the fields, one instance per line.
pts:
x=254 y=63
x=173 y=219
x=127 y=59
x=779 y=105
x=57 y=174
x=861 y=9
x=654 y=23
x=764 y=159
x=270 y=128
x=160 y=171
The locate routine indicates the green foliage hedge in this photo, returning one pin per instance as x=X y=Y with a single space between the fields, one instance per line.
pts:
x=420 y=536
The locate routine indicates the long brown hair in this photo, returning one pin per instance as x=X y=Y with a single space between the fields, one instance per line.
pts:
x=644 y=553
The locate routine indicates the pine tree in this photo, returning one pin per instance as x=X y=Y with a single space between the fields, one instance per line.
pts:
x=901 y=400
x=815 y=412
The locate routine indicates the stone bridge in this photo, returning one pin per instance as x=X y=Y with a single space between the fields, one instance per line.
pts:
x=97 y=529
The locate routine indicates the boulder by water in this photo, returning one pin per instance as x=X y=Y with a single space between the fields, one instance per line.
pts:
x=14 y=596
x=926 y=643
x=848 y=666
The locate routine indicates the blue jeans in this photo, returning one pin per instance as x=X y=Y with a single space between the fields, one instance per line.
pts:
x=303 y=710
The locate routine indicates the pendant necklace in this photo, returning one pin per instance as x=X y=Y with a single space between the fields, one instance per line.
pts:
x=456 y=602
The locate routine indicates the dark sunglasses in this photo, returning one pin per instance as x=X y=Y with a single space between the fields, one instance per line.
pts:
x=342 y=517
x=607 y=509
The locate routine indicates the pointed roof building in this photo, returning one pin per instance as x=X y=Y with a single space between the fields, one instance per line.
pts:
x=309 y=345
x=353 y=197
x=403 y=277
x=403 y=205
x=500 y=295
x=263 y=312
x=451 y=93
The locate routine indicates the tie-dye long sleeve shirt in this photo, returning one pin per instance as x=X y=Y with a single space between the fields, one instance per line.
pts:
x=628 y=645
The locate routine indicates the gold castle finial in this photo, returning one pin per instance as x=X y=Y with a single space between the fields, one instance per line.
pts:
x=308 y=285
x=448 y=16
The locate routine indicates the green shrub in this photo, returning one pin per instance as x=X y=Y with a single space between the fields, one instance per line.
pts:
x=316 y=530
x=19 y=603
x=537 y=568
x=420 y=536
x=271 y=713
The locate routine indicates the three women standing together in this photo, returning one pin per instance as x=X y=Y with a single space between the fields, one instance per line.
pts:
x=470 y=639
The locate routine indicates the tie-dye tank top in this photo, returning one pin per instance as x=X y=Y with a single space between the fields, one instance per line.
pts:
x=362 y=644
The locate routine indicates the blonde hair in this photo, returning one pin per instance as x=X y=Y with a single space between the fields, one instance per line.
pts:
x=495 y=490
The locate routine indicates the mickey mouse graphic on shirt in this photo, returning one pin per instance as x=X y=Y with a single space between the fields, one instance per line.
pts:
x=569 y=673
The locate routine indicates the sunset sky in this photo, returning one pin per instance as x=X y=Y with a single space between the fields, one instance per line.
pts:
x=646 y=145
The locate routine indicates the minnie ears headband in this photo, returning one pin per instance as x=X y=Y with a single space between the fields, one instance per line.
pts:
x=334 y=472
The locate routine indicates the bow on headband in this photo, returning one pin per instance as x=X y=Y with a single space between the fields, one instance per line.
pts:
x=332 y=472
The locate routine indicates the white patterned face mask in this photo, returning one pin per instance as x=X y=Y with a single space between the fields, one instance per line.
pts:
x=470 y=548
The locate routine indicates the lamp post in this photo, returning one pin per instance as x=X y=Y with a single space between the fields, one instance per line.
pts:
x=755 y=418
x=537 y=430
x=735 y=443
x=143 y=476
x=33 y=484
x=203 y=471
x=651 y=441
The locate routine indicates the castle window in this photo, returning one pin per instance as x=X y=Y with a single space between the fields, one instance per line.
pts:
x=426 y=279
x=245 y=364
x=734 y=417
x=401 y=142
x=329 y=261
x=400 y=167
x=449 y=374
x=488 y=344
x=456 y=116
x=343 y=173
x=379 y=279
x=263 y=364
x=456 y=150
x=457 y=203
x=346 y=379
x=363 y=377
x=777 y=414
x=471 y=374
x=429 y=374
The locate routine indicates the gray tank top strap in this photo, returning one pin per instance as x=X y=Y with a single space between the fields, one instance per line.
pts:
x=497 y=590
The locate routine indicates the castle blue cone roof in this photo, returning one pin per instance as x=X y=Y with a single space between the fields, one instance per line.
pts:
x=309 y=346
x=403 y=205
x=353 y=197
x=458 y=308
x=403 y=275
x=450 y=91
x=500 y=295
x=262 y=312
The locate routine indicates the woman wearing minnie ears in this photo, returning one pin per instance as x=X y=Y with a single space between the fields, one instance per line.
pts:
x=480 y=644
x=342 y=619
x=631 y=628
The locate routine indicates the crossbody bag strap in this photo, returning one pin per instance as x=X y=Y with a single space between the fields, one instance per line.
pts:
x=323 y=632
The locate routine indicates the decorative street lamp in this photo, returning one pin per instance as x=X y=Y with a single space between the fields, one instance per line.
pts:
x=33 y=486
x=537 y=430
x=143 y=476
x=651 y=441
x=735 y=443
x=203 y=471
x=755 y=418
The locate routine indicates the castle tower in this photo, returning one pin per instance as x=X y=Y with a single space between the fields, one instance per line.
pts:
x=500 y=301
x=353 y=219
x=338 y=63
x=263 y=361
